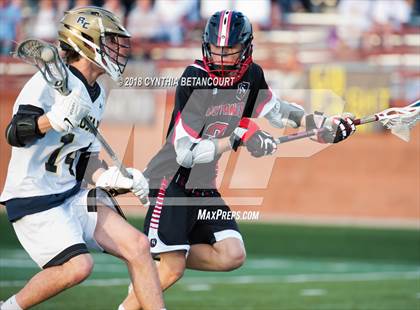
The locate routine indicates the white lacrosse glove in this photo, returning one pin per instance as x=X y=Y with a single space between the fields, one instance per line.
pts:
x=113 y=178
x=67 y=112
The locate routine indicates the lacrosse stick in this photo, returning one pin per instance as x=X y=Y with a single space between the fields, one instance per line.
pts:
x=398 y=120
x=46 y=58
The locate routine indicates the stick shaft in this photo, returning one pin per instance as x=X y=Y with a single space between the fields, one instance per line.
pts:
x=107 y=148
x=314 y=132
x=366 y=120
x=310 y=133
x=297 y=136
x=111 y=153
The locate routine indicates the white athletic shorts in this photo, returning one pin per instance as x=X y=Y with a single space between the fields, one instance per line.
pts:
x=54 y=236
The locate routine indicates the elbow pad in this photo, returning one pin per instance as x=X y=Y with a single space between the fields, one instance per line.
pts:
x=204 y=152
x=188 y=153
x=23 y=129
x=285 y=114
x=184 y=155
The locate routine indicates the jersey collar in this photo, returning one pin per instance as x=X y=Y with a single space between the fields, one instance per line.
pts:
x=94 y=91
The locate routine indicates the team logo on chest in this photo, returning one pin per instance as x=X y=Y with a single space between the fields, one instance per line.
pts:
x=228 y=109
x=242 y=90
x=84 y=125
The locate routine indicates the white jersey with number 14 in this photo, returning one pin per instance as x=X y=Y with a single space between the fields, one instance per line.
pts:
x=48 y=165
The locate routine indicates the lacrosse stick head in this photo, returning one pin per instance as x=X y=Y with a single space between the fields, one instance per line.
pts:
x=401 y=120
x=46 y=58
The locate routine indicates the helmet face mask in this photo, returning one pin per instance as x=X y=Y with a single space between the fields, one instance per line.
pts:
x=97 y=35
x=116 y=50
x=224 y=64
x=230 y=33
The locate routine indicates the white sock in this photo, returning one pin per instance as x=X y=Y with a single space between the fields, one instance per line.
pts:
x=11 y=304
x=121 y=307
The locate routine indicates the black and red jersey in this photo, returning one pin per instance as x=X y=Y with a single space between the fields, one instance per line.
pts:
x=208 y=112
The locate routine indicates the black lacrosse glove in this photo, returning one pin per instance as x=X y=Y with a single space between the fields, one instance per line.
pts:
x=257 y=142
x=260 y=144
x=335 y=128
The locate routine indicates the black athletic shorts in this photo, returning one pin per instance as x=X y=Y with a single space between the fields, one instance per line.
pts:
x=179 y=217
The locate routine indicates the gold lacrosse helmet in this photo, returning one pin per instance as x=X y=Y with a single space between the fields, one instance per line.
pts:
x=98 y=35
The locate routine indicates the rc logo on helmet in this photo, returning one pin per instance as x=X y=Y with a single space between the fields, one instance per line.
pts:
x=82 y=21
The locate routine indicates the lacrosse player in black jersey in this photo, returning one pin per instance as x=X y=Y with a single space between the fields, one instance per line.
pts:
x=207 y=121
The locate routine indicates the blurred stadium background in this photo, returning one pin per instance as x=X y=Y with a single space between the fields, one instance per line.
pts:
x=313 y=254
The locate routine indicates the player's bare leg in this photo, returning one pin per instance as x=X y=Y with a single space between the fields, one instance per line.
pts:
x=53 y=280
x=171 y=268
x=121 y=239
x=224 y=255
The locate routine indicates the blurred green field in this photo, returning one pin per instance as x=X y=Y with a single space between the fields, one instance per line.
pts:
x=288 y=267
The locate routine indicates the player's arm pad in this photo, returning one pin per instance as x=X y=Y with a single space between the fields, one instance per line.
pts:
x=285 y=114
x=23 y=128
x=87 y=165
x=189 y=153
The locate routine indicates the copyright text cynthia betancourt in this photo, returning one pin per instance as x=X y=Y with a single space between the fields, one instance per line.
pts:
x=165 y=82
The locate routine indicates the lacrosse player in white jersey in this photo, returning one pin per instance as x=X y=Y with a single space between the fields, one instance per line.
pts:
x=56 y=220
